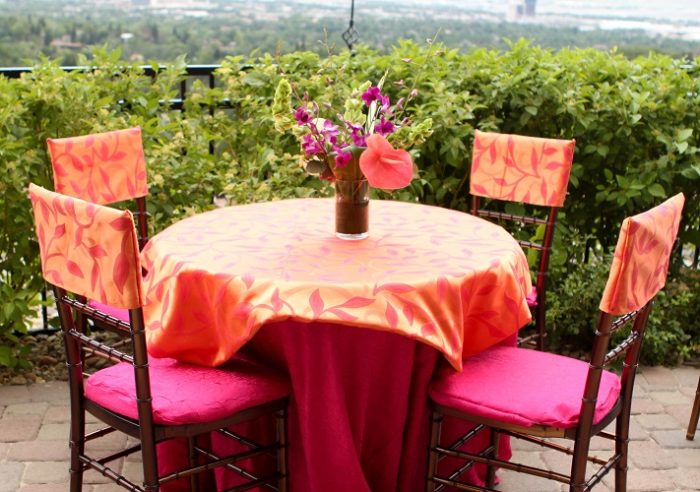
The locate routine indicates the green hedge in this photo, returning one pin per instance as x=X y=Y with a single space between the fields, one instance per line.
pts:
x=636 y=124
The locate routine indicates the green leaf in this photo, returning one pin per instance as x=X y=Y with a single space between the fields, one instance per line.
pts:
x=685 y=134
x=657 y=190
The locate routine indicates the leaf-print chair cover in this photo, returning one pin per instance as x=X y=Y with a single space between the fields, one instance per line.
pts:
x=100 y=265
x=642 y=256
x=518 y=168
x=585 y=393
x=101 y=168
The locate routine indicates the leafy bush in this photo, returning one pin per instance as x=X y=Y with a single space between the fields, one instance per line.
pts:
x=673 y=329
x=636 y=124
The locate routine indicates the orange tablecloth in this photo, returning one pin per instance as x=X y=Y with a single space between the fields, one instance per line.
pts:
x=450 y=280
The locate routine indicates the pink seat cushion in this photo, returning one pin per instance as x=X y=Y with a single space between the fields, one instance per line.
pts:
x=523 y=387
x=188 y=394
x=119 y=313
x=532 y=297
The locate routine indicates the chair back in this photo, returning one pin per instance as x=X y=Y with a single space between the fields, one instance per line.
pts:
x=518 y=168
x=102 y=168
x=90 y=251
x=637 y=274
x=527 y=170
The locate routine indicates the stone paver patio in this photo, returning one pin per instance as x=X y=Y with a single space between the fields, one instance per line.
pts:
x=34 y=441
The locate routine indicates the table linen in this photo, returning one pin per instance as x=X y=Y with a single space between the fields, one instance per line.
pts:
x=450 y=280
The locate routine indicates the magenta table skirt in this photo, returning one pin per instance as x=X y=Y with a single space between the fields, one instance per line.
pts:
x=358 y=416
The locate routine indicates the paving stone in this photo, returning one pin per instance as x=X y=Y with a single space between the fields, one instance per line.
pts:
x=46 y=472
x=133 y=471
x=519 y=482
x=31 y=408
x=92 y=476
x=660 y=421
x=686 y=458
x=658 y=377
x=15 y=428
x=10 y=475
x=4 y=447
x=688 y=478
x=57 y=414
x=108 y=487
x=649 y=455
x=674 y=397
x=114 y=440
x=54 y=432
x=53 y=391
x=674 y=439
x=13 y=394
x=39 y=451
x=49 y=487
x=680 y=413
x=687 y=376
x=647 y=480
x=646 y=405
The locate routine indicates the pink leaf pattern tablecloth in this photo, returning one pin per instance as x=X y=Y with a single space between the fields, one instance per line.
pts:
x=448 y=279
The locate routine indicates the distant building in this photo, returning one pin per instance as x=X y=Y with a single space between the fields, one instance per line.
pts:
x=530 y=8
x=141 y=3
x=519 y=9
x=65 y=42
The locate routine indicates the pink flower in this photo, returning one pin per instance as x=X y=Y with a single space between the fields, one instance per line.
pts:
x=342 y=159
x=384 y=127
x=302 y=116
x=371 y=95
x=385 y=167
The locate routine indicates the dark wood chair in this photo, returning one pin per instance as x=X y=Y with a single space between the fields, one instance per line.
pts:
x=533 y=172
x=694 y=415
x=535 y=395
x=91 y=251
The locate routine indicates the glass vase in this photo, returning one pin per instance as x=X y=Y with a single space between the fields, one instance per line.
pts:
x=351 y=209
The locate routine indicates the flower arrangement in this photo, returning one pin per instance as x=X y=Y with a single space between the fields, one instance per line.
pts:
x=366 y=140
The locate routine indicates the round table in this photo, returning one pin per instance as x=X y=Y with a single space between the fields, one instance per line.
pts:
x=452 y=281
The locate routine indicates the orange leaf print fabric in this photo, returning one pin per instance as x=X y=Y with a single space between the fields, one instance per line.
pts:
x=641 y=259
x=524 y=169
x=101 y=168
x=451 y=280
x=87 y=249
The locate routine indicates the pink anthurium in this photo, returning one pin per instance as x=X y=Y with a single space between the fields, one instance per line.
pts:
x=385 y=167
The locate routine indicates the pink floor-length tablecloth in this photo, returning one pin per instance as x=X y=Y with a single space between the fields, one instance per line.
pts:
x=358 y=327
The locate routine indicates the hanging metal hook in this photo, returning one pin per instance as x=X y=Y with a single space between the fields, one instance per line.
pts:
x=350 y=35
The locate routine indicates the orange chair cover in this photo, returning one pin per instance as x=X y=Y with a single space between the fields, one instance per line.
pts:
x=521 y=169
x=101 y=168
x=454 y=281
x=641 y=259
x=87 y=249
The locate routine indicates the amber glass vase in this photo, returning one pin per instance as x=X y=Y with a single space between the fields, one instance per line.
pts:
x=351 y=209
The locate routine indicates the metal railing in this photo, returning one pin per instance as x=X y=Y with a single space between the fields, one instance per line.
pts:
x=177 y=103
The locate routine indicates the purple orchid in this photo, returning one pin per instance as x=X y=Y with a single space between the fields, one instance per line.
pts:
x=370 y=95
x=310 y=145
x=342 y=158
x=302 y=116
x=384 y=127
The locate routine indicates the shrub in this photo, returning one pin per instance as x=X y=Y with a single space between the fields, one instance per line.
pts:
x=636 y=124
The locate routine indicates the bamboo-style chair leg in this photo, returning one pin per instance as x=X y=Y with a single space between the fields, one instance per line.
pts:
x=150 y=467
x=281 y=431
x=77 y=448
x=540 y=323
x=694 y=416
x=491 y=469
x=578 y=467
x=435 y=429
x=621 y=448
x=192 y=454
